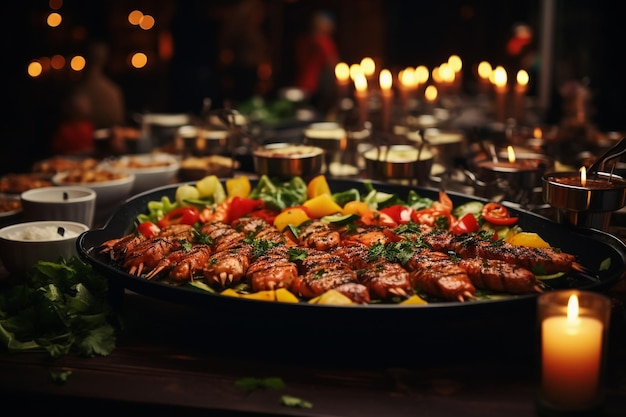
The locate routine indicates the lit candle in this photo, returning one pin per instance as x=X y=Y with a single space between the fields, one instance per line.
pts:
x=430 y=94
x=386 y=93
x=571 y=349
x=484 y=70
x=520 y=93
x=500 y=83
x=582 y=200
x=361 y=94
x=342 y=74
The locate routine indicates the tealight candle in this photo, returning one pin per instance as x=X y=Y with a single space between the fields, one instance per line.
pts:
x=518 y=172
x=573 y=326
x=584 y=201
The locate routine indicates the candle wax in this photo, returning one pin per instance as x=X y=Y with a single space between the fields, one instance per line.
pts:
x=591 y=183
x=571 y=358
x=506 y=166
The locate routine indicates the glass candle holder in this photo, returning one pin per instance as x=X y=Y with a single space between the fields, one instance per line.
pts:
x=574 y=328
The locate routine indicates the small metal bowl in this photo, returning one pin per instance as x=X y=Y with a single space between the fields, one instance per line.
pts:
x=286 y=160
x=399 y=162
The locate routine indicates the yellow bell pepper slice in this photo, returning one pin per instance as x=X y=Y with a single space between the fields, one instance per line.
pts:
x=317 y=186
x=356 y=207
x=332 y=297
x=414 y=299
x=293 y=215
x=238 y=186
x=230 y=293
x=322 y=205
x=529 y=239
x=285 y=296
x=265 y=295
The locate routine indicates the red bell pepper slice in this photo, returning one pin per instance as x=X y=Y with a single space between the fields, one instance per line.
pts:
x=241 y=206
x=399 y=213
x=181 y=215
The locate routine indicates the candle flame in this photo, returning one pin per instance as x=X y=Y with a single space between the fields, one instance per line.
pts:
x=360 y=82
x=572 y=308
x=537 y=133
x=583 y=176
x=355 y=69
x=522 y=77
x=511 y=153
x=455 y=63
x=407 y=77
x=422 y=74
x=342 y=71
x=431 y=93
x=368 y=65
x=499 y=77
x=484 y=70
x=386 y=79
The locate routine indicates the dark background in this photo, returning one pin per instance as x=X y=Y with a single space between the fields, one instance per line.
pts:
x=184 y=65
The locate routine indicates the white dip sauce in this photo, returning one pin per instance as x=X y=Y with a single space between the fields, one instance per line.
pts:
x=41 y=233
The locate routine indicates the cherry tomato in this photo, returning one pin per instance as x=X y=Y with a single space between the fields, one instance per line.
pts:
x=181 y=215
x=376 y=217
x=466 y=224
x=496 y=213
x=148 y=229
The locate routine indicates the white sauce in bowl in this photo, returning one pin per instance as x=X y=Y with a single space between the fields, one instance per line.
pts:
x=42 y=233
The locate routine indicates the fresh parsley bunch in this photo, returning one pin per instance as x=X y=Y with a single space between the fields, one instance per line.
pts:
x=60 y=307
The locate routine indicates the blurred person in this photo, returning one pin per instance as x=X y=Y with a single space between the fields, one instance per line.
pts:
x=316 y=55
x=74 y=134
x=105 y=95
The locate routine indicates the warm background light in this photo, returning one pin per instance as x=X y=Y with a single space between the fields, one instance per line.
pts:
x=77 y=63
x=35 y=69
x=139 y=60
x=54 y=20
x=499 y=77
x=355 y=70
x=146 y=22
x=134 y=17
x=431 y=93
x=360 y=82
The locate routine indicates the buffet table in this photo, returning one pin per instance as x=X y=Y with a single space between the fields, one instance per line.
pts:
x=179 y=359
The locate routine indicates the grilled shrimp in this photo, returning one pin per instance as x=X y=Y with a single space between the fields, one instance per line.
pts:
x=436 y=274
x=228 y=267
x=383 y=279
x=272 y=270
x=117 y=248
x=548 y=260
x=320 y=272
x=497 y=275
x=147 y=255
x=183 y=264
x=319 y=235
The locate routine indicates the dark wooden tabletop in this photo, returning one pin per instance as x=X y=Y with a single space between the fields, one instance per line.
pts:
x=187 y=361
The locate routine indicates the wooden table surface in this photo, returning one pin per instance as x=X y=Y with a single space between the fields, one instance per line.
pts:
x=186 y=361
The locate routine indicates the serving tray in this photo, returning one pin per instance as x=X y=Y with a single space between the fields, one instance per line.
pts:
x=593 y=248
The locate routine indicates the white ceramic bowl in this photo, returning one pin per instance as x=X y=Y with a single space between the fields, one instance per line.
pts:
x=72 y=203
x=110 y=194
x=22 y=245
x=151 y=170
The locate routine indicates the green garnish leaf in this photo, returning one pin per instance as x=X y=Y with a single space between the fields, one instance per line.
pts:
x=290 y=401
x=605 y=264
x=60 y=376
x=251 y=383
